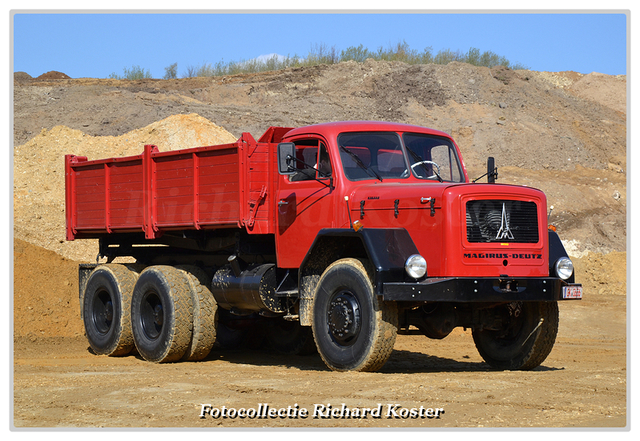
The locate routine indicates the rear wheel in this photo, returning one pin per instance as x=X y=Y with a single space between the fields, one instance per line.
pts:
x=161 y=314
x=106 y=309
x=205 y=314
x=352 y=327
x=525 y=339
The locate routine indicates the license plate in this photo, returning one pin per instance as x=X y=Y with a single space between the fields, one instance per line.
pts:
x=571 y=292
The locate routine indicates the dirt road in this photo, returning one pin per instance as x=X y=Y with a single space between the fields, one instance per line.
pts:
x=58 y=383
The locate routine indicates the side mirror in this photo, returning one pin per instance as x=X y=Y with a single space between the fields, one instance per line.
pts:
x=286 y=158
x=492 y=171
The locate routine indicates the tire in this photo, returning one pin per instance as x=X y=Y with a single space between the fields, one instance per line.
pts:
x=289 y=338
x=106 y=309
x=526 y=339
x=161 y=314
x=205 y=315
x=352 y=327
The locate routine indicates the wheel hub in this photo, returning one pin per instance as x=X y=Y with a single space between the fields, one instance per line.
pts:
x=157 y=315
x=151 y=315
x=103 y=312
x=343 y=318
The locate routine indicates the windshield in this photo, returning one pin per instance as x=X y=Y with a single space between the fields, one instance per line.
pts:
x=380 y=155
x=372 y=155
x=432 y=157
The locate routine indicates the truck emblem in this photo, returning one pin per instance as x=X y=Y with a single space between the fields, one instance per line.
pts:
x=504 y=232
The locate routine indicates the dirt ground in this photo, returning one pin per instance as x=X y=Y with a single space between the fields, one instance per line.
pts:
x=58 y=382
x=564 y=133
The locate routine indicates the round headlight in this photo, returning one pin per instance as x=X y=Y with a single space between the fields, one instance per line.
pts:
x=416 y=266
x=564 y=268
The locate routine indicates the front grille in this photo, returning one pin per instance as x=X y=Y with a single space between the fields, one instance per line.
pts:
x=502 y=221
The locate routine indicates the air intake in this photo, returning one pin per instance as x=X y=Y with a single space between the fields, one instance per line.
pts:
x=502 y=221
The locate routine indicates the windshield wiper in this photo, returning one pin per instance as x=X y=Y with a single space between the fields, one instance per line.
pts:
x=419 y=159
x=358 y=161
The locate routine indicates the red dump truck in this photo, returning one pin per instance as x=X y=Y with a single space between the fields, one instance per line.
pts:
x=333 y=237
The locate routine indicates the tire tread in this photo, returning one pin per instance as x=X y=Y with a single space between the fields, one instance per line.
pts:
x=204 y=314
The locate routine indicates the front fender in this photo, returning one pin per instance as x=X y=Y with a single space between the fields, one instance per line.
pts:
x=386 y=248
x=556 y=251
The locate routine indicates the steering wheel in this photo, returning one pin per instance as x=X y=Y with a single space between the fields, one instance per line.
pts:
x=413 y=166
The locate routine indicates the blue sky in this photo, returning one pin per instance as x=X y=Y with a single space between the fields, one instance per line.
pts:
x=99 y=44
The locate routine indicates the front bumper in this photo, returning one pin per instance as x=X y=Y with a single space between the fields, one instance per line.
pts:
x=482 y=289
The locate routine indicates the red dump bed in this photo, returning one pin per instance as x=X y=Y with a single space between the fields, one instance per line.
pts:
x=223 y=186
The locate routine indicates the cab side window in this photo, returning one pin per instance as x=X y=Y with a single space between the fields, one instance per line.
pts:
x=312 y=161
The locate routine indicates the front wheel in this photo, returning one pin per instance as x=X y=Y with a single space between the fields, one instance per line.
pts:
x=352 y=327
x=525 y=338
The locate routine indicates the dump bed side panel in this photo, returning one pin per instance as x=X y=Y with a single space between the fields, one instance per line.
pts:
x=196 y=188
x=126 y=200
x=103 y=196
x=219 y=184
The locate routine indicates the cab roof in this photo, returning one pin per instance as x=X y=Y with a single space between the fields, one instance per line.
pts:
x=332 y=129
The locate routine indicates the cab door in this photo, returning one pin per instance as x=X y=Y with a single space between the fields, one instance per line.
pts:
x=305 y=202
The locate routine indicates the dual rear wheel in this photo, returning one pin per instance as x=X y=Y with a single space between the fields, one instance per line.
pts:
x=166 y=313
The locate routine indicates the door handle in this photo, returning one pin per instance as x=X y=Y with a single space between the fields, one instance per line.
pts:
x=283 y=202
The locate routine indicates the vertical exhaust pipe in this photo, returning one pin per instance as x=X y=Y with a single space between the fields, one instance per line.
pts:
x=235 y=265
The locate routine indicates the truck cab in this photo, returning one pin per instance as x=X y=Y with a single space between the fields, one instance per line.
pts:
x=446 y=252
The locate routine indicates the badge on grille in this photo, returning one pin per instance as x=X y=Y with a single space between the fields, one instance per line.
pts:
x=504 y=232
